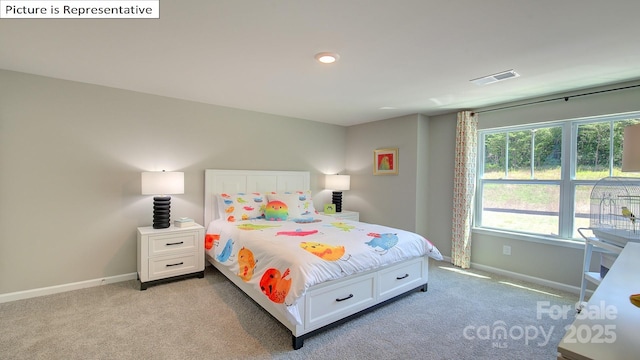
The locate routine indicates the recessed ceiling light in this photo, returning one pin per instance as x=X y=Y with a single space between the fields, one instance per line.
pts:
x=327 y=57
x=509 y=74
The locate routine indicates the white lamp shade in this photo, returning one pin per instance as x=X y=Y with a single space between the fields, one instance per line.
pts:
x=338 y=182
x=162 y=183
x=631 y=148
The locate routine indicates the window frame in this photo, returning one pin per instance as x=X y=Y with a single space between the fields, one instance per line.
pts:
x=567 y=182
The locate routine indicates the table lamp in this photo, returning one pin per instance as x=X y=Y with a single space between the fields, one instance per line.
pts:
x=337 y=183
x=162 y=184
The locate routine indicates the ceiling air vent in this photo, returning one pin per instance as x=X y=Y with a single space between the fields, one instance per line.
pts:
x=495 y=77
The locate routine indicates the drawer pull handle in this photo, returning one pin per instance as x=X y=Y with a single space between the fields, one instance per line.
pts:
x=180 y=263
x=345 y=298
x=402 y=277
x=176 y=243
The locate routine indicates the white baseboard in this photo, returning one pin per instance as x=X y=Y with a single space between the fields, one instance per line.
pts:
x=531 y=279
x=19 y=295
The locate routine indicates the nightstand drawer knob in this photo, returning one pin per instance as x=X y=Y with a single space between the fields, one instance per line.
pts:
x=178 y=264
x=175 y=243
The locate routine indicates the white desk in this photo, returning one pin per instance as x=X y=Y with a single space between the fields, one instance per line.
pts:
x=589 y=339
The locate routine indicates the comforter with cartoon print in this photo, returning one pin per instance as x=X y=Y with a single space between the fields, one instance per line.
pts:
x=284 y=258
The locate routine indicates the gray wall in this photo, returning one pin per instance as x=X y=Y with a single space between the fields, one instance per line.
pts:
x=415 y=199
x=561 y=264
x=383 y=199
x=430 y=193
x=441 y=154
x=70 y=161
x=555 y=263
x=603 y=102
x=71 y=156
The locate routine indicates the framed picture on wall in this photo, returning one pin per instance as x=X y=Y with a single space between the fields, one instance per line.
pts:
x=385 y=161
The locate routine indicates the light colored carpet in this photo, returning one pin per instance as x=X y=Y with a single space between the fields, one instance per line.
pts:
x=458 y=318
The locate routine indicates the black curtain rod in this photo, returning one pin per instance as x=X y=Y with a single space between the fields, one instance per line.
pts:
x=565 y=98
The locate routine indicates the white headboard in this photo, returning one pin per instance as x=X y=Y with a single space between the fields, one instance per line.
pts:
x=235 y=181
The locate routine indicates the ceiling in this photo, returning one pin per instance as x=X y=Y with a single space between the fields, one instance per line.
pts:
x=396 y=57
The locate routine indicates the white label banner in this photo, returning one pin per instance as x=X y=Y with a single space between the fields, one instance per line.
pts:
x=80 y=9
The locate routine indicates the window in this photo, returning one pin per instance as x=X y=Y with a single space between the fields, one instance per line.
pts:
x=537 y=179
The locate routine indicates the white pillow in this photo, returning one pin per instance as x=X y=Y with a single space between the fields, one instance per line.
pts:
x=299 y=203
x=241 y=206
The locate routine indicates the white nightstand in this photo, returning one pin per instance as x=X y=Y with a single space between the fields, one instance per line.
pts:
x=169 y=253
x=345 y=215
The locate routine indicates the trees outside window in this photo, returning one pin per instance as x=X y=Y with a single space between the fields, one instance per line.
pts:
x=537 y=179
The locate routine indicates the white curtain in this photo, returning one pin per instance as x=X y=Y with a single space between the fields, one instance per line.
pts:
x=464 y=181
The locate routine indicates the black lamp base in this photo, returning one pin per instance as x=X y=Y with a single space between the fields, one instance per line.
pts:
x=337 y=200
x=161 y=212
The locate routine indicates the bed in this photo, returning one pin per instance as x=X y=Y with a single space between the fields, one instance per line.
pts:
x=308 y=270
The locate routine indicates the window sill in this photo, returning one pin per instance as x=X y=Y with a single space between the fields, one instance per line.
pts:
x=547 y=240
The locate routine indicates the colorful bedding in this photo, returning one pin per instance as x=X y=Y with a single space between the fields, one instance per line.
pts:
x=282 y=259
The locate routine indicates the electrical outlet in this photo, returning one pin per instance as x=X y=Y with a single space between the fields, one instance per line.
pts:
x=506 y=250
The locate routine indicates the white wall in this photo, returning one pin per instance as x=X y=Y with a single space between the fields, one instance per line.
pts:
x=70 y=161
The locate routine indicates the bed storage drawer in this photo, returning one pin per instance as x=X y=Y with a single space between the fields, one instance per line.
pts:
x=400 y=278
x=330 y=303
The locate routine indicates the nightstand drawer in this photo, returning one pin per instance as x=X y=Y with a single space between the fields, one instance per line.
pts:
x=345 y=215
x=163 y=267
x=170 y=252
x=167 y=244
